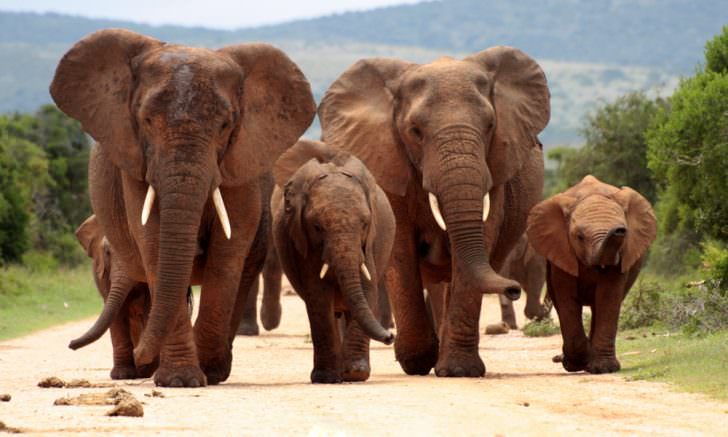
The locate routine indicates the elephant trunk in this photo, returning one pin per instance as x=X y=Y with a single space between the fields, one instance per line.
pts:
x=349 y=275
x=182 y=197
x=609 y=252
x=112 y=305
x=461 y=191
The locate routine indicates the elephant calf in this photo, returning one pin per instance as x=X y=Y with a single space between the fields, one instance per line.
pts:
x=594 y=237
x=126 y=304
x=333 y=229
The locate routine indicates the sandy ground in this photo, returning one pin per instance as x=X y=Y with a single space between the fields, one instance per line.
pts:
x=269 y=393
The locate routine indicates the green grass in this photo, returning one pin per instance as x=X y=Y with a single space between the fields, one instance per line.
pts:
x=693 y=364
x=541 y=328
x=32 y=300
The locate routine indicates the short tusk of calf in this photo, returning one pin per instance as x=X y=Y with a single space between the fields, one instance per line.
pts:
x=435 y=208
x=365 y=272
x=221 y=212
x=486 y=206
x=148 y=203
x=324 y=269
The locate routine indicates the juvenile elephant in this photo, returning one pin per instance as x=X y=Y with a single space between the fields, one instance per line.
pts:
x=594 y=237
x=453 y=144
x=179 y=129
x=333 y=229
x=127 y=326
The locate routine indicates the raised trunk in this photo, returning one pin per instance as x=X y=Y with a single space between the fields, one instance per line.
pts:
x=609 y=250
x=460 y=192
x=349 y=276
x=182 y=197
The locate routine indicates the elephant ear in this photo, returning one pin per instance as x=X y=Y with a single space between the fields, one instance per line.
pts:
x=277 y=107
x=356 y=114
x=94 y=83
x=302 y=152
x=295 y=197
x=521 y=99
x=641 y=225
x=548 y=232
x=92 y=239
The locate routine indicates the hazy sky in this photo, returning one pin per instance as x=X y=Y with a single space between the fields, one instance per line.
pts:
x=223 y=14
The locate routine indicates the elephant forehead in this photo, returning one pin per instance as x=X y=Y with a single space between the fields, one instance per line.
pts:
x=444 y=72
x=598 y=210
x=338 y=196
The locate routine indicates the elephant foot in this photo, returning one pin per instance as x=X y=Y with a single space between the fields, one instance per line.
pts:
x=603 y=365
x=417 y=362
x=460 y=364
x=574 y=363
x=325 y=376
x=146 y=371
x=356 y=370
x=123 y=372
x=248 y=328
x=184 y=376
x=216 y=367
x=270 y=316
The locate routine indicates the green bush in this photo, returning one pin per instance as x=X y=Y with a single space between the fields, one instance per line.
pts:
x=701 y=308
x=715 y=263
x=541 y=328
x=37 y=261
x=641 y=306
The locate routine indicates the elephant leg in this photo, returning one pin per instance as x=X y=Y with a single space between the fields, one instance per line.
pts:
x=355 y=356
x=459 y=333
x=123 y=348
x=227 y=260
x=508 y=314
x=326 y=340
x=385 y=308
x=136 y=313
x=178 y=362
x=415 y=346
x=243 y=320
x=562 y=289
x=270 y=311
x=605 y=320
x=249 y=323
x=436 y=300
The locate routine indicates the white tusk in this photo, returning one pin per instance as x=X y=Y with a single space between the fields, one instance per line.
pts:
x=221 y=211
x=486 y=206
x=436 y=211
x=324 y=269
x=148 y=203
x=365 y=272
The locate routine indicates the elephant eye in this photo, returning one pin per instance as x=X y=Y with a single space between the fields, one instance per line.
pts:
x=318 y=228
x=224 y=126
x=416 y=133
x=580 y=236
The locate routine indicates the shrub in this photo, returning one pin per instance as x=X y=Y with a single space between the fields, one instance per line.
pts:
x=641 y=306
x=541 y=328
x=38 y=261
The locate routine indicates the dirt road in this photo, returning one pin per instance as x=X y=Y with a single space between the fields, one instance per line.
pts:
x=269 y=393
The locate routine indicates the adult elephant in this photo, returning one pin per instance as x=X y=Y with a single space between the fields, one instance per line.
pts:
x=179 y=129
x=446 y=140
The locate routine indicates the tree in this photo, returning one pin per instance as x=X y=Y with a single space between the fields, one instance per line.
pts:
x=615 y=148
x=688 y=150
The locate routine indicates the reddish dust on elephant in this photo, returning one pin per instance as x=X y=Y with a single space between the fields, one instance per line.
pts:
x=180 y=178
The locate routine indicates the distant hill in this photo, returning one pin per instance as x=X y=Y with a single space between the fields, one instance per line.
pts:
x=590 y=50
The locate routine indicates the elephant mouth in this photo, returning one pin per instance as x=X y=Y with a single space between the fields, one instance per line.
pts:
x=216 y=200
x=437 y=214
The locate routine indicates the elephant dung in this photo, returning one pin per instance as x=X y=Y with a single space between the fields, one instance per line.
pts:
x=497 y=329
x=125 y=403
x=5 y=397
